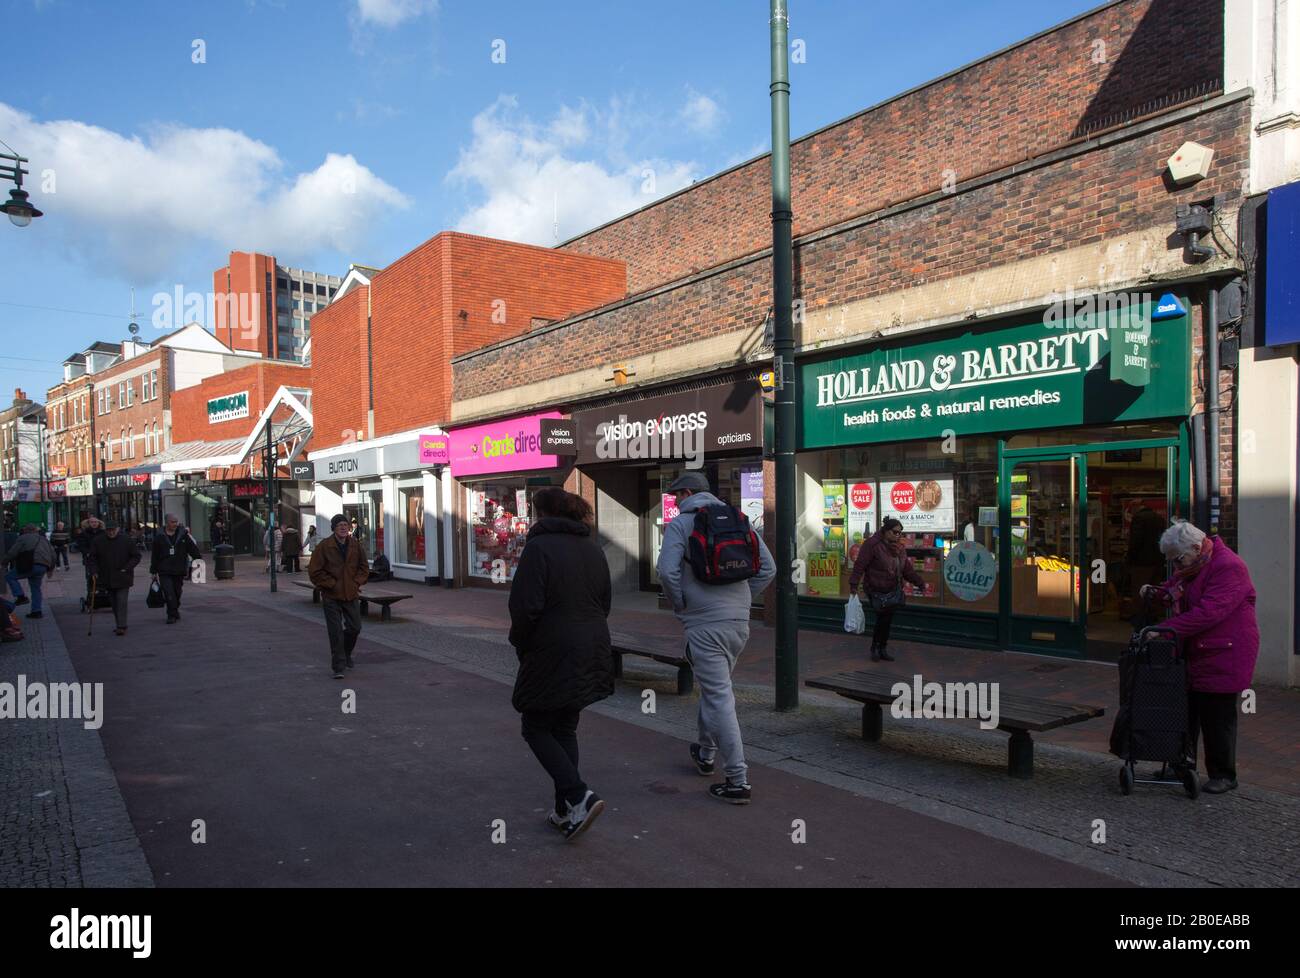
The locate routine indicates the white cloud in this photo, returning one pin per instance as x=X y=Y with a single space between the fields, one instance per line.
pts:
x=701 y=114
x=534 y=176
x=390 y=13
x=138 y=204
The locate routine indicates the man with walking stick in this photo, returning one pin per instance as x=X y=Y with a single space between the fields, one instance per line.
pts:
x=112 y=558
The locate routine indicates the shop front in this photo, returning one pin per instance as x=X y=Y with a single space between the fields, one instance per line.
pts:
x=1033 y=468
x=633 y=449
x=389 y=490
x=127 y=497
x=79 y=500
x=499 y=467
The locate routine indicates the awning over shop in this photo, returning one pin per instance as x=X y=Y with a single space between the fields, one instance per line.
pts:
x=289 y=417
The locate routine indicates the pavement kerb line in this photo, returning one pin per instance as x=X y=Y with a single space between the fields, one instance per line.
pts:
x=108 y=848
x=623 y=706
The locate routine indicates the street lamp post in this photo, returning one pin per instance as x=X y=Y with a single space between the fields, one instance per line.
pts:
x=18 y=207
x=103 y=481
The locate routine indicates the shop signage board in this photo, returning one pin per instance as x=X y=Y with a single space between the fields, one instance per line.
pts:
x=81 y=485
x=512 y=445
x=1101 y=368
x=823 y=573
x=302 y=471
x=833 y=499
x=122 y=481
x=228 y=407
x=56 y=488
x=861 y=513
x=559 y=436
x=922 y=505
x=725 y=418
x=21 y=490
x=435 y=449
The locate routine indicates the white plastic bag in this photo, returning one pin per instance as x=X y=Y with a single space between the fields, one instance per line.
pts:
x=855 y=619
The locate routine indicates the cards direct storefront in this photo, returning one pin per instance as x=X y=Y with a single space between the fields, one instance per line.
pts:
x=1068 y=441
x=500 y=466
x=633 y=450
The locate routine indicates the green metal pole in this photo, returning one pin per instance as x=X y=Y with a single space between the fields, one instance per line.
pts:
x=270 y=503
x=787 y=600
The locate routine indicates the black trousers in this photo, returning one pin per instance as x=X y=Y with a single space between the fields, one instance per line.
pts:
x=290 y=565
x=553 y=737
x=61 y=553
x=1213 y=716
x=119 y=596
x=172 y=585
x=343 y=624
x=884 y=622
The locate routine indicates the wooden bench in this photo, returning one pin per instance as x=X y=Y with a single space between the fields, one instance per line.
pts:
x=1018 y=715
x=625 y=643
x=385 y=599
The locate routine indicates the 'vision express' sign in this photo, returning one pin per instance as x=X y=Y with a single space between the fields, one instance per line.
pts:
x=1033 y=375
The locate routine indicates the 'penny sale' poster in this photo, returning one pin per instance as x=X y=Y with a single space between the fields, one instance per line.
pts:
x=922 y=505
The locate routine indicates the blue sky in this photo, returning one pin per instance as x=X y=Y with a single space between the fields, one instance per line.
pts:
x=333 y=131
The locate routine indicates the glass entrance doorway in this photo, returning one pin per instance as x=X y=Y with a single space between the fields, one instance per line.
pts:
x=1084 y=524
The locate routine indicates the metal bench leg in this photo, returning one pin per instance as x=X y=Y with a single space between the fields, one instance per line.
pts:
x=386 y=613
x=685 y=679
x=1020 y=755
x=618 y=665
x=873 y=722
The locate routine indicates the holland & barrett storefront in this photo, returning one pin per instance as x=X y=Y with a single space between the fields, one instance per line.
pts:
x=1033 y=464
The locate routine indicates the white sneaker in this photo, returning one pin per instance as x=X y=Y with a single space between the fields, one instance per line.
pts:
x=557 y=821
x=582 y=815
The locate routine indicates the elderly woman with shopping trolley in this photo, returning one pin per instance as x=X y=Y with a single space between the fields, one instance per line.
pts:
x=1213 y=601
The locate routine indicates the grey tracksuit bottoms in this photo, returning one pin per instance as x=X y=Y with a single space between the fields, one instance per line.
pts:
x=713 y=649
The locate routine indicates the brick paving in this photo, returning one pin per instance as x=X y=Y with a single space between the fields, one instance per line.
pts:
x=63 y=822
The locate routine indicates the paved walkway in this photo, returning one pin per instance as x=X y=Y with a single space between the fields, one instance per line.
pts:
x=62 y=818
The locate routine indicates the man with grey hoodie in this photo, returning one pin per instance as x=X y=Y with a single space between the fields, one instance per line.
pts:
x=716 y=620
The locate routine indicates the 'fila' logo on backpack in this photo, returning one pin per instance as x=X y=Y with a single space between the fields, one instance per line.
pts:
x=723 y=548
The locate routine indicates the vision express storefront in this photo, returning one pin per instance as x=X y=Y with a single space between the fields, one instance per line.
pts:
x=1033 y=467
x=634 y=448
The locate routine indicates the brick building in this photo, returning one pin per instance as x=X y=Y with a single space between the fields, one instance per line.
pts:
x=1000 y=216
x=22 y=427
x=266 y=308
x=381 y=371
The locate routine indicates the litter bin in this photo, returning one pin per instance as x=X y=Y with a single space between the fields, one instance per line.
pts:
x=224 y=559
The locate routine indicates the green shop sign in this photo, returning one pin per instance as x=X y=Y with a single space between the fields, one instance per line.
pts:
x=228 y=408
x=1098 y=367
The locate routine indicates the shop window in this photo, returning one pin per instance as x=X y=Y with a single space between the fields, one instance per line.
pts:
x=943 y=499
x=410 y=525
x=500 y=514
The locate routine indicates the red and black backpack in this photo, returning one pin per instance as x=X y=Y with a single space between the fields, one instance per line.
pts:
x=723 y=548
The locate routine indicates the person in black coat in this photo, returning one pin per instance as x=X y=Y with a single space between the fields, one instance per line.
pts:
x=559 y=603
x=173 y=550
x=112 y=559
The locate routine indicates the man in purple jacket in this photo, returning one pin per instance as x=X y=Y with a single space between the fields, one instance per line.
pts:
x=1214 y=599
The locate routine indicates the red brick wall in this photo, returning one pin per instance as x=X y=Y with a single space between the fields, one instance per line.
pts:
x=261 y=380
x=338 y=370
x=140 y=413
x=242 y=326
x=66 y=438
x=1035 y=98
x=1070 y=203
x=417 y=326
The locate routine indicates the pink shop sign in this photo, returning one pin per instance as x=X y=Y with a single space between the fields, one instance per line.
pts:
x=513 y=445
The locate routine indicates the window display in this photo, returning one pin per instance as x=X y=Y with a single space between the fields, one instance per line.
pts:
x=500 y=514
x=410 y=524
x=843 y=495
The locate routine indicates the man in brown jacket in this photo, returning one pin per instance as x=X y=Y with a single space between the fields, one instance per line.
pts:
x=338 y=568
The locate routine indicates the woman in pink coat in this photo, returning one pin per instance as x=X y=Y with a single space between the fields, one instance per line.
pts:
x=1214 y=599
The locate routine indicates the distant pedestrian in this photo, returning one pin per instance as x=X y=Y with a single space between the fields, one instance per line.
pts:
x=715 y=616
x=30 y=557
x=291 y=546
x=173 y=551
x=338 y=568
x=559 y=602
x=59 y=540
x=91 y=528
x=1214 y=598
x=273 y=541
x=112 y=559
x=218 y=532
x=880 y=569
x=309 y=545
